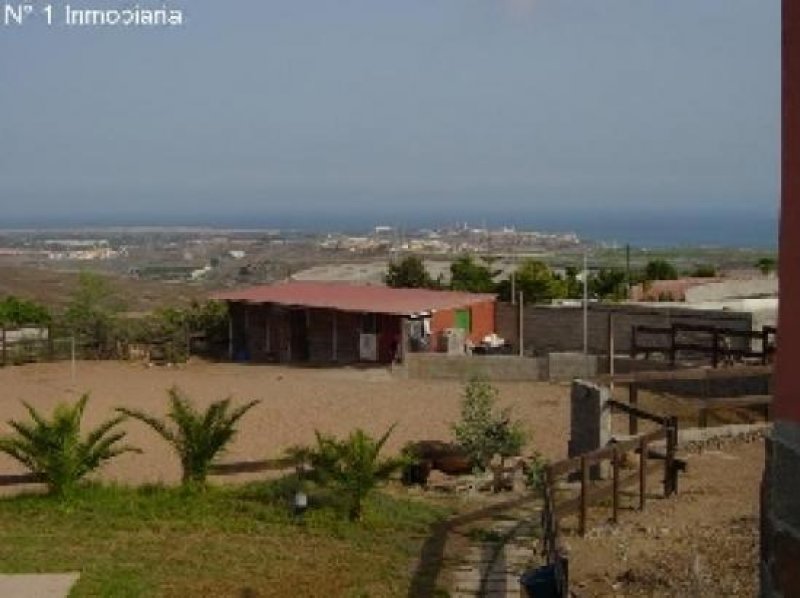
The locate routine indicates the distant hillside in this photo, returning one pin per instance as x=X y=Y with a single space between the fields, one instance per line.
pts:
x=54 y=287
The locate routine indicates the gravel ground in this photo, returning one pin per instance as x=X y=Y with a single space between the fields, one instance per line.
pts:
x=296 y=401
x=703 y=542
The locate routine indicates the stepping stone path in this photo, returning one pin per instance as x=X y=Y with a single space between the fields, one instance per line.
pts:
x=49 y=585
x=500 y=550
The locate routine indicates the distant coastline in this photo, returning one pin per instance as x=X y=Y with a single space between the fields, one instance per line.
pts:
x=659 y=229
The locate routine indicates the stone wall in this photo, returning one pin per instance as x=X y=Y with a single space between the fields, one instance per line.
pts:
x=462 y=367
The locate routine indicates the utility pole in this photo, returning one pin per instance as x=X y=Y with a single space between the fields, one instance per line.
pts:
x=585 y=306
x=628 y=270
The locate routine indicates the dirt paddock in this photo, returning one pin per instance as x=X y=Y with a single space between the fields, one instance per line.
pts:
x=295 y=402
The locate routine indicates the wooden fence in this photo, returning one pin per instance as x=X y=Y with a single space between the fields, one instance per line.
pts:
x=216 y=469
x=554 y=510
x=706 y=405
x=720 y=345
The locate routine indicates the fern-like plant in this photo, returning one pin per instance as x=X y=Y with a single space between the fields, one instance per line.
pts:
x=197 y=436
x=53 y=448
x=353 y=466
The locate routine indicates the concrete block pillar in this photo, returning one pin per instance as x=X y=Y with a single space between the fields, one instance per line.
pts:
x=780 y=506
x=590 y=420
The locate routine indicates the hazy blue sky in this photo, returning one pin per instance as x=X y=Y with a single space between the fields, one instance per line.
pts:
x=485 y=108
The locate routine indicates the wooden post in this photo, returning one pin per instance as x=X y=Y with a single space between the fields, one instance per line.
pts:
x=5 y=347
x=334 y=339
x=764 y=344
x=715 y=348
x=642 y=473
x=703 y=419
x=633 y=399
x=230 y=337
x=672 y=338
x=672 y=447
x=404 y=342
x=615 y=482
x=634 y=348
x=584 y=495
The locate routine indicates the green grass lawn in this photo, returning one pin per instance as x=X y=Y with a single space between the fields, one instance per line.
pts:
x=225 y=541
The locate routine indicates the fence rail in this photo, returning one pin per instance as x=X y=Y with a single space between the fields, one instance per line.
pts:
x=216 y=469
x=581 y=464
x=705 y=405
x=716 y=343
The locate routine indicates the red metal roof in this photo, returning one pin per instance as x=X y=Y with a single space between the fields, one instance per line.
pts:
x=357 y=298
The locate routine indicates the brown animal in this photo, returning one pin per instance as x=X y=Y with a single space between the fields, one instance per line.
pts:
x=446 y=457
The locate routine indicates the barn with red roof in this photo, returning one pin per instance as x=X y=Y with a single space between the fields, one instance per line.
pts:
x=319 y=322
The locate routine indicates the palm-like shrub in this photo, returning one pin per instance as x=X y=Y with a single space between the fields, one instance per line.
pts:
x=53 y=447
x=353 y=466
x=197 y=436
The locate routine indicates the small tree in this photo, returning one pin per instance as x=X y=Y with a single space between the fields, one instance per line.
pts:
x=660 y=270
x=767 y=265
x=537 y=283
x=608 y=283
x=409 y=273
x=53 y=447
x=197 y=436
x=353 y=466
x=92 y=310
x=468 y=275
x=483 y=431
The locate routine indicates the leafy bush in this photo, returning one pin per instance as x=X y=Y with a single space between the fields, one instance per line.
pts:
x=54 y=449
x=352 y=466
x=484 y=432
x=704 y=271
x=21 y=312
x=534 y=472
x=197 y=436
x=660 y=270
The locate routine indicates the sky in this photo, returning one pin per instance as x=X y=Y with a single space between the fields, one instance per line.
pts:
x=312 y=111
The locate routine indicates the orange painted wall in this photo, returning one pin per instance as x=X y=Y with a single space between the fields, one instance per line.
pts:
x=482 y=320
x=787 y=382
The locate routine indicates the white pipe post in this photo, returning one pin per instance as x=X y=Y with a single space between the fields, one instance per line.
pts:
x=72 y=359
x=513 y=288
x=521 y=325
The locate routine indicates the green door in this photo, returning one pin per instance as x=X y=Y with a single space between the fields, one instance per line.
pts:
x=463 y=319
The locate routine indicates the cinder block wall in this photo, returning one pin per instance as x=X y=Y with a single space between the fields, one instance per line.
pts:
x=437 y=366
x=549 y=329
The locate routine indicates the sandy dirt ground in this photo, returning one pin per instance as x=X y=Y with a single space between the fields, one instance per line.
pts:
x=703 y=542
x=295 y=402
